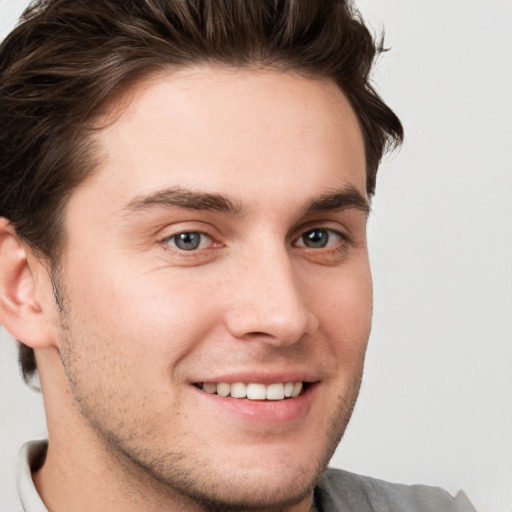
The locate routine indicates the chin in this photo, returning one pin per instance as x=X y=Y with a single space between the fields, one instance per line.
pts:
x=268 y=480
x=263 y=489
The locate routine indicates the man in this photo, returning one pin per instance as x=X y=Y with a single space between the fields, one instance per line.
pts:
x=185 y=189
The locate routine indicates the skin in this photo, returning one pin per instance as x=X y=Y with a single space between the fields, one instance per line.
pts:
x=143 y=320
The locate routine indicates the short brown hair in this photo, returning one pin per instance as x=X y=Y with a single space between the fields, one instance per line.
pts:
x=68 y=59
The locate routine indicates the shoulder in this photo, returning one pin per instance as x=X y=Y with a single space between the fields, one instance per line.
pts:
x=341 y=490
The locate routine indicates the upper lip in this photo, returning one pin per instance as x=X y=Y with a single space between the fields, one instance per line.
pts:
x=260 y=377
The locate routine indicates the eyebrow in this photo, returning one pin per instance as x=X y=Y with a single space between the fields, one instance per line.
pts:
x=186 y=199
x=346 y=198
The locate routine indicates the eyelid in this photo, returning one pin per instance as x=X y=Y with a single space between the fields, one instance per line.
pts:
x=173 y=230
x=343 y=237
x=171 y=238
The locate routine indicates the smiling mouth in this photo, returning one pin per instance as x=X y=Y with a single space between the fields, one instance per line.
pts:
x=255 y=391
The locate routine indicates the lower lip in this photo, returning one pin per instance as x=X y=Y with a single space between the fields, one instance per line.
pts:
x=267 y=412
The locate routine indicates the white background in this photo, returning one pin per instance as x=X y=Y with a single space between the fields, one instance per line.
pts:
x=436 y=403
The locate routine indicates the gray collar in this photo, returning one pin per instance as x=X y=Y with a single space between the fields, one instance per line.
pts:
x=29 y=454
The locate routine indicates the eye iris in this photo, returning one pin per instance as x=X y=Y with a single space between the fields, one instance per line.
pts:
x=316 y=238
x=188 y=241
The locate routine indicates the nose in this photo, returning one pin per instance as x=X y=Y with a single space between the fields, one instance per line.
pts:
x=269 y=303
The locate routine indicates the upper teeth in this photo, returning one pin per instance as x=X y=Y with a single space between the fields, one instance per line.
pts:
x=254 y=391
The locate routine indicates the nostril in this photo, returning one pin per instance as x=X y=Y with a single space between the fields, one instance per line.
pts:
x=279 y=318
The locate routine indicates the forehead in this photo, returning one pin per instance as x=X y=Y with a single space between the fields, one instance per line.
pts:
x=230 y=130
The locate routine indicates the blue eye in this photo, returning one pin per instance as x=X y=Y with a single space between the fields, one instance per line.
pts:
x=189 y=240
x=318 y=238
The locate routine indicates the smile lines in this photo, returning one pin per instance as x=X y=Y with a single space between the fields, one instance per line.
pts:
x=253 y=391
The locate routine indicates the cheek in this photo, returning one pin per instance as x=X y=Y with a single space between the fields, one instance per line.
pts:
x=146 y=317
x=346 y=315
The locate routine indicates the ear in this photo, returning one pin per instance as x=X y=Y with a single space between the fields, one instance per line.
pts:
x=25 y=308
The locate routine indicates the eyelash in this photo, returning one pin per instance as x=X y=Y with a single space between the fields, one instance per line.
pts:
x=166 y=241
x=340 y=245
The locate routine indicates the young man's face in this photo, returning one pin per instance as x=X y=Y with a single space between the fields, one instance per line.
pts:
x=221 y=241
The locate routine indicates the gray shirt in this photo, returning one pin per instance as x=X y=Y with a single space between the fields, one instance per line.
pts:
x=341 y=491
x=337 y=491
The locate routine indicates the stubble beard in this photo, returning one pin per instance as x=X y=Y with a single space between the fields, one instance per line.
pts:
x=177 y=475
x=185 y=478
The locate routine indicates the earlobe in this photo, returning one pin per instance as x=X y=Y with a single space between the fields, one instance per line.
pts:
x=21 y=310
